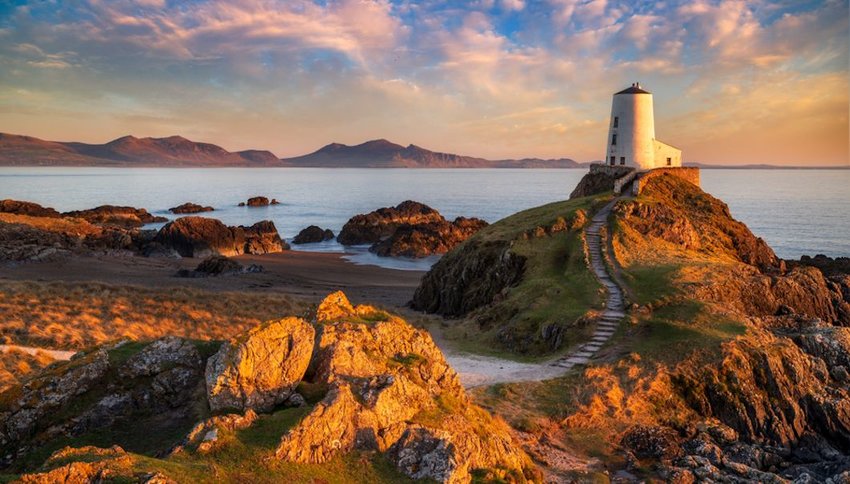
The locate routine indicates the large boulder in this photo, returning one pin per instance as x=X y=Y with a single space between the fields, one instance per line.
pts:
x=422 y=240
x=468 y=278
x=218 y=265
x=391 y=390
x=202 y=237
x=27 y=208
x=374 y=226
x=127 y=217
x=260 y=369
x=313 y=234
x=259 y=202
x=190 y=207
x=410 y=229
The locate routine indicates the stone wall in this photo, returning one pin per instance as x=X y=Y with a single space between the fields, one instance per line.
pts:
x=615 y=171
x=689 y=174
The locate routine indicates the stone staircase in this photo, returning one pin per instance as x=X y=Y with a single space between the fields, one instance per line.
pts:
x=614 y=312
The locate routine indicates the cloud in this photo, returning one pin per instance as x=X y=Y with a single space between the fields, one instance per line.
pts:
x=497 y=78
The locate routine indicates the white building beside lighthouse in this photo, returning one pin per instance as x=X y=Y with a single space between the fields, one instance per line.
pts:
x=631 y=133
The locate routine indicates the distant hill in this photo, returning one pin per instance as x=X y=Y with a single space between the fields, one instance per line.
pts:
x=174 y=151
x=385 y=154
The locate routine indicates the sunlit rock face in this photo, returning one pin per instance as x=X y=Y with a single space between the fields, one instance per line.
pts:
x=374 y=383
x=391 y=390
x=260 y=370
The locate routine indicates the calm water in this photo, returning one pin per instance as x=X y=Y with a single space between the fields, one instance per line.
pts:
x=797 y=211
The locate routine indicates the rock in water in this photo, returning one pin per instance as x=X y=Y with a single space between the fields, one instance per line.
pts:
x=202 y=237
x=313 y=234
x=190 y=207
x=423 y=240
x=258 y=202
x=27 y=208
x=409 y=229
x=373 y=226
x=260 y=369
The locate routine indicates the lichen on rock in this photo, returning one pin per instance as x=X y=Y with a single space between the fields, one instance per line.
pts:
x=260 y=369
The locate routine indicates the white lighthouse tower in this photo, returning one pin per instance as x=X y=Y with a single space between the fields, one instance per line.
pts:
x=631 y=134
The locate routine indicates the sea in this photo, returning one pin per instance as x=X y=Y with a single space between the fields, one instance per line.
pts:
x=798 y=212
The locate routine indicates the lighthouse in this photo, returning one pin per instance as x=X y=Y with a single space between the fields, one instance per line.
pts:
x=631 y=133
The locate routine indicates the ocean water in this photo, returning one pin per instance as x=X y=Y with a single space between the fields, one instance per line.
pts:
x=796 y=211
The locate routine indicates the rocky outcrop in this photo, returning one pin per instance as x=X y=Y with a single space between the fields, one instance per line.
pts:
x=259 y=202
x=772 y=391
x=127 y=217
x=782 y=397
x=746 y=291
x=380 y=385
x=27 y=238
x=27 y=208
x=202 y=237
x=124 y=387
x=599 y=179
x=382 y=223
x=679 y=213
x=204 y=436
x=313 y=234
x=409 y=229
x=190 y=207
x=219 y=265
x=469 y=278
x=830 y=267
x=386 y=381
x=427 y=239
x=261 y=369
x=88 y=465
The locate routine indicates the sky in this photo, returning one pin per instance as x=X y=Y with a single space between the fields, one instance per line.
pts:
x=734 y=82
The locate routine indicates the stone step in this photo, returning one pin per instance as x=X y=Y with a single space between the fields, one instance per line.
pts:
x=578 y=360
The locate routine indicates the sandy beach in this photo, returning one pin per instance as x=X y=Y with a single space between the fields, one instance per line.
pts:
x=310 y=275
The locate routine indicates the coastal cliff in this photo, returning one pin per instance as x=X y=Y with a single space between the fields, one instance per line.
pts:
x=731 y=364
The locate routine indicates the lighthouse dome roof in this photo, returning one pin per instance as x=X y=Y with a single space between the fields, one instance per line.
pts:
x=634 y=89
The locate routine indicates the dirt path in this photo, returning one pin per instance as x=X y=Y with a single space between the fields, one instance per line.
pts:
x=476 y=370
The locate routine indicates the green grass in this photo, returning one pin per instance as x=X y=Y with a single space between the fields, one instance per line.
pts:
x=557 y=288
x=248 y=456
x=649 y=283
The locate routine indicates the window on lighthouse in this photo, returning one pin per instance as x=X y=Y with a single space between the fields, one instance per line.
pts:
x=616 y=121
x=622 y=160
x=614 y=139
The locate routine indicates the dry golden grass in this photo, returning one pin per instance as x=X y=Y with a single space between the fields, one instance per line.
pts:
x=15 y=364
x=69 y=225
x=61 y=315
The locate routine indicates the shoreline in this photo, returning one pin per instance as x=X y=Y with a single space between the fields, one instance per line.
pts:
x=309 y=275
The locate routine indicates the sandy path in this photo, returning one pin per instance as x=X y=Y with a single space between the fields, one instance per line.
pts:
x=31 y=350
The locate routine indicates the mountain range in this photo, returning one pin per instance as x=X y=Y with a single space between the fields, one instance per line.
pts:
x=176 y=151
